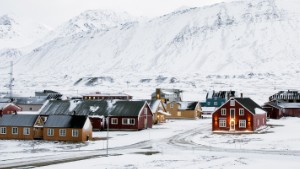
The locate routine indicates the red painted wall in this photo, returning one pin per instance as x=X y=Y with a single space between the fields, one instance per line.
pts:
x=10 y=109
x=251 y=120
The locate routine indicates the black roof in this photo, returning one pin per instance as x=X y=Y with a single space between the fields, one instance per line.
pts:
x=249 y=104
x=18 y=120
x=39 y=100
x=127 y=108
x=92 y=107
x=188 y=105
x=65 y=121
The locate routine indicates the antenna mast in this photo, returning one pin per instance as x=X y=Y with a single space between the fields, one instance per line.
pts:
x=11 y=79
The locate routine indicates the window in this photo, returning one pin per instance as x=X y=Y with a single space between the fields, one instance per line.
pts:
x=114 y=121
x=258 y=122
x=128 y=121
x=62 y=132
x=232 y=113
x=26 y=131
x=222 y=123
x=208 y=103
x=145 y=111
x=50 y=132
x=179 y=113
x=242 y=123
x=74 y=133
x=172 y=105
x=215 y=103
x=232 y=103
x=14 y=130
x=223 y=112
x=241 y=112
x=30 y=108
x=3 y=130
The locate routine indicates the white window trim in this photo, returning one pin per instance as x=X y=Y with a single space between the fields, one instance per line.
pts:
x=61 y=133
x=243 y=110
x=25 y=131
x=127 y=121
x=179 y=114
x=171 y=105
x=223 y=111
x=12 y=130
x=50 y=132
x=215 y=103
x=3 y=130
x=232 y=102
x=114 y=122
x=222 y=123
x=233 y=113
x=242 y=122
x=75 y=133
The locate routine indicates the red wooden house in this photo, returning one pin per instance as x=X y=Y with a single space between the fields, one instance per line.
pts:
x=8 y=108
x=130 y=115
x=238 y=115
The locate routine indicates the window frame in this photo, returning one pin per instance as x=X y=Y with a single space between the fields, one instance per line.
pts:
x=75 y=132
x=26 y=131
x=3 y=130
x=223 y=111
x=241 y=111
x=128 y=121
x=50 y=132
x=114 y=120
x=242 y=124
x=61 y=133
x=232 y=102
x=222 y=122
x=16 y=129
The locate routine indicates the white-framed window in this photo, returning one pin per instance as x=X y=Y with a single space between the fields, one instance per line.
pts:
x=179 y=113
x=3 y=130
x=172 y=105
x=14 y=130
x=145 y=111
x=242 y=123
x=75 y=133
x=128 y=121
x=215 y=103
x=26 y=131
x=232 y=103
x=258 y=122
x=50 y=132
x=232 y=113
x=208 y=103
x=223 y=112
x=222 y=123
x=114 y=120
x=62 y=132
x=241 y=112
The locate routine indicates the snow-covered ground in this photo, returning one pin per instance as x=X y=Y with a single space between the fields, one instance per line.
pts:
x=177 y=143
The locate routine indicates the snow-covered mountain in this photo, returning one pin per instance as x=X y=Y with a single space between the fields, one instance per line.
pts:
x=234 y=37
x=90 y=21
x=18 y=32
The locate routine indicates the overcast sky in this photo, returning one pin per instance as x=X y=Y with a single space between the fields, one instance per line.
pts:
x=54 y=12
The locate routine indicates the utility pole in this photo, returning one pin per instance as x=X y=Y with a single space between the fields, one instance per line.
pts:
x=11 y=80
x=107 y=135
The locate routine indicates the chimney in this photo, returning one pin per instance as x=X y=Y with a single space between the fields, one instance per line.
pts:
x=241 y=95
x=158 y=93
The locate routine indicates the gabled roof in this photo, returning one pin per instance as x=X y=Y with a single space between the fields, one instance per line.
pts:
x=65 y=121
x=75 y=107
x=18 y=120
x=4 y=105
x=56 y=107
x=127 y=108
x=249 y=104
x=154 y=104
x=188 y=105
x=40 y=100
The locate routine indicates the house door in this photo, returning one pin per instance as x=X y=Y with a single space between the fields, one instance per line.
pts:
x=146 y=123
x=38 y=133
x=232 y=125
x=232 y=119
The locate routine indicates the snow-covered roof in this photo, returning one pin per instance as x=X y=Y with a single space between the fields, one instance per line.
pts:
x=208 y=109
x=289 y=105
x=259 y=111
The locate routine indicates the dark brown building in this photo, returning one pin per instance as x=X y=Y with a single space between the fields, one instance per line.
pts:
x=276 y=110
x=238 y=115
x=106 y=96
